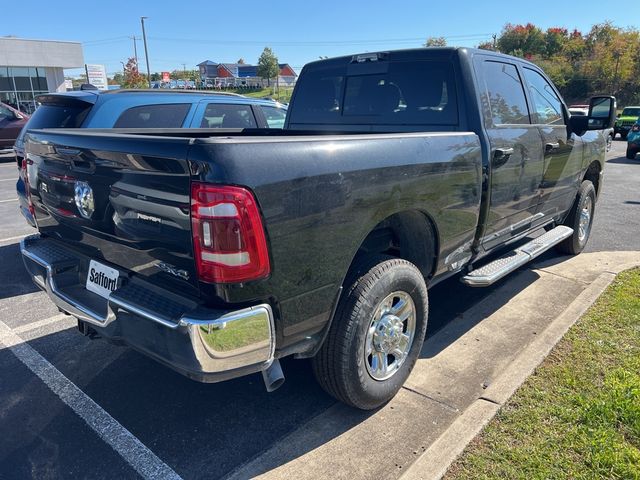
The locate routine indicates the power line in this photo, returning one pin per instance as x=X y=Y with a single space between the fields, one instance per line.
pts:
x=468 y=37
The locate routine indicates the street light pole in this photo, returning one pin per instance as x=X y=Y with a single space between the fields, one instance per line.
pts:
x=146 y=53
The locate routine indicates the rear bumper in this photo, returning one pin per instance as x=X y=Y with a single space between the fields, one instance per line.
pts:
x=205 y=344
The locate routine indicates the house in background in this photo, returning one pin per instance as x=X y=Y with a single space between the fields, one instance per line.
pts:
x=239 y=74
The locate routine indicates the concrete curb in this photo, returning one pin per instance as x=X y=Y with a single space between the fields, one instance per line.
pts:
x=436 y=460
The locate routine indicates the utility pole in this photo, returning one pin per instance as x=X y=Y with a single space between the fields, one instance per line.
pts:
x=495 y=37
x=135 y=48
x=146 y=52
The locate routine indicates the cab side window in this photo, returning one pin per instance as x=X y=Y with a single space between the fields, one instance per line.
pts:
x=547 y=105
x=504 y=94
x=275 y=116
x=220 y=115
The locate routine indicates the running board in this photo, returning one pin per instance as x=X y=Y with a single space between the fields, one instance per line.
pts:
x=494 y=271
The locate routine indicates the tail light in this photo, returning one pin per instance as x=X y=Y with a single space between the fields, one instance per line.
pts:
x=228 y=236
x=27 y=188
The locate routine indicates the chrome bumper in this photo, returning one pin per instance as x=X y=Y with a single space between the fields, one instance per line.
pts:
x=204 y=344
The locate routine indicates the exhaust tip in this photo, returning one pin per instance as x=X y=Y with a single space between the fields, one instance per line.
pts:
x=273 y=376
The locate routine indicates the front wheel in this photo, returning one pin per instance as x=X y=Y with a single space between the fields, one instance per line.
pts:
x=376 y=335
x=580 y=219
x=631 y=153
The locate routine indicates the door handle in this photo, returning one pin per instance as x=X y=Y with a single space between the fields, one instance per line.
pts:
x=501 y=156
x=550 y=147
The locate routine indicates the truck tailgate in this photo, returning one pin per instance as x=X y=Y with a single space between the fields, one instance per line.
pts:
x=124 y=201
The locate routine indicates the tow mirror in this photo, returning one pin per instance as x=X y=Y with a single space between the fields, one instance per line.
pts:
x=602 y=115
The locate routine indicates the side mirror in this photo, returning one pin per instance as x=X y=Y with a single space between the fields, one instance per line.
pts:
x=602 y=115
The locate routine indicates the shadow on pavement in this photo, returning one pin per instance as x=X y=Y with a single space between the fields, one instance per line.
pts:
x=624 y=161
x=209 y=430
x=14 y=279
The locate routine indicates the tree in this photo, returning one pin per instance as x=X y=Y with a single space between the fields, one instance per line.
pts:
x=268 y=65
x=240 y=61
x=118 y=79
x=435 y=42
x=522 y=40
x=132 y=77
x=156 y=77
x=606 y=60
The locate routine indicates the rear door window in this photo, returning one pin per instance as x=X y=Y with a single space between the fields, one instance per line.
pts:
x=505 y=94
x=221 y=115
x=275 y=116
x=170 y=115
x=407 y=93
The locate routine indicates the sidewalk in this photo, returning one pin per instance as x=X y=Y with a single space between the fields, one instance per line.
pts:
x=467 y=370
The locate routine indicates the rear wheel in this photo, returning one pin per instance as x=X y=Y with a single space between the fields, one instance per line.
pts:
x=376 y=335
x=631 y=153
x=580 y=219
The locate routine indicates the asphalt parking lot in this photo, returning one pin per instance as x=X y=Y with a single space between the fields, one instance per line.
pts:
x=108 y=412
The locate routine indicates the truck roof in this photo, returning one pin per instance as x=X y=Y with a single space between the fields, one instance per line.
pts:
x=414 y=54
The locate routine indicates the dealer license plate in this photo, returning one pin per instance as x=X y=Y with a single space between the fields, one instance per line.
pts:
x=102 y=279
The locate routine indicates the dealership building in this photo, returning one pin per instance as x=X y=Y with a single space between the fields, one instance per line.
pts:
x=31 y=67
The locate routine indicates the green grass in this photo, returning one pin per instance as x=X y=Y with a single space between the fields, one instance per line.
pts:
x=578 y=416
x=235 y=336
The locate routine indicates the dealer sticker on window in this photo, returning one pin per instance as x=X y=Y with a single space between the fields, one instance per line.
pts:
x=102 y=279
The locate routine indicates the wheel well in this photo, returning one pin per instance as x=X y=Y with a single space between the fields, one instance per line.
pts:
x=593 y=175
x=410 y=235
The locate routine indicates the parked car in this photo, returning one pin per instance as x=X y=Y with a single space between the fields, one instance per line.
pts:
x=220 y=252
x=583 y=110
x=144 y=109
x=633 y=141
x=11 y=123
x=625 y=121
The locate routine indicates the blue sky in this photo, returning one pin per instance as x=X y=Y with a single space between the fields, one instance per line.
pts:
x=189 y=32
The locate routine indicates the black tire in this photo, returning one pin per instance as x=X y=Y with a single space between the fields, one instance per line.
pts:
x=631 y=153
x=575 y=244
x=340 y=366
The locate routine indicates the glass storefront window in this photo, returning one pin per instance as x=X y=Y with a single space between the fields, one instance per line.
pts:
x=21 y=78
x=20 y=85
x=5 y=80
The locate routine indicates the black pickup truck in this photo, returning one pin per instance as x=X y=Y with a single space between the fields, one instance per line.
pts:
x=218 y=252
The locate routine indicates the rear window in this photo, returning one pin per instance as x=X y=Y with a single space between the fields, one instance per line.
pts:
x=219 y=115
x=58 y=116
x=170 y=115
x=397 y=93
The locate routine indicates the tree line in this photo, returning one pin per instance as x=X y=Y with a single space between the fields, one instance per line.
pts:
x=604 y=60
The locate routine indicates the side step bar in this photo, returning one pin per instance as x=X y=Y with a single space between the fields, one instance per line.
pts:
x=494 y=271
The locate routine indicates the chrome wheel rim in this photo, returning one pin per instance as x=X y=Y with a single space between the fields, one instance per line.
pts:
x=390 y=335
x=585 y=220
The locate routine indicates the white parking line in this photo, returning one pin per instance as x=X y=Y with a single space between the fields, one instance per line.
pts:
x=8 y=179
x=19 y=237
x=40 y=323
x=132 y=450
x=9 y=200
